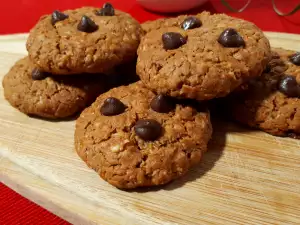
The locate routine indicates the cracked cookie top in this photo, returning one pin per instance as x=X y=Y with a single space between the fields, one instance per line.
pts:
x=38 y=93
x=201 y=57
x=271 y=102
x=133 y=138
x=84 y=40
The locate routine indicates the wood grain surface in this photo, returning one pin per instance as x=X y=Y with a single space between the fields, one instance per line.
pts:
x=246 y=177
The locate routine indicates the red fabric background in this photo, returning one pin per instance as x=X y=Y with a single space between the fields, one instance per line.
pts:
x=16 y=210
x=18 y=16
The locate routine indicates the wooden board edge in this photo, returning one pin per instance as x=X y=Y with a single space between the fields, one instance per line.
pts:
x=14 y=37
x=66 y=204
x=38 y=195
x=282 y=35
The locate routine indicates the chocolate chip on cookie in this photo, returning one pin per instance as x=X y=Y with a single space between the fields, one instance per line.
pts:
x=191 y=23
x=293 y=135
x=112 y=106
x=230 y=38
x=87 y=25
x=148 y=129
x=106 y=10
x=288 y=85
x=37 y=74
x=172 y=40
x=58 y=16
x=295 y=59
x=162 y=104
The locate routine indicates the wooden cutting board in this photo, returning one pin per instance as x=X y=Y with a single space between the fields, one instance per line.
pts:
x=246 y=177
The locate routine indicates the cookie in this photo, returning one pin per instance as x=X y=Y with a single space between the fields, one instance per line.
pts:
x=38 y=93
x=133 y=138
x=83 y=40
x=201 y=57
x=272 y=101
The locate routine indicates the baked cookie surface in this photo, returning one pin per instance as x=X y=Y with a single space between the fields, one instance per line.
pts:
x=133 y=138
x=201 y=57
x=83 y=41
x=272 y=101
x=37 y=93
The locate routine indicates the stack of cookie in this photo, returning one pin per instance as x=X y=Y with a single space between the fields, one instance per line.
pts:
x=210 y=56
x=73 y=57
x=152 y=131
x=271 y=102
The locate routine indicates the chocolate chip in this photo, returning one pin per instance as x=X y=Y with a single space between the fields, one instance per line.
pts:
x=58 y=16
x=37 y=74
x=293 y=135
x=191 y=23
x=288 y=85
x=295 y=59
x=148 y=130
x=112 y=106
x=162 y=104
x=107 y=10
x=230 y=38
x=267 y=69
x=87 y=25
x=172 y=40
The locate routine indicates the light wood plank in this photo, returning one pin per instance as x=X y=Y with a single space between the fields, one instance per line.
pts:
x=246 y=177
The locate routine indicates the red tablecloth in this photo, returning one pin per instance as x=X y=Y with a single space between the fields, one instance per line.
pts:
x=20 y=15
x=15 y=210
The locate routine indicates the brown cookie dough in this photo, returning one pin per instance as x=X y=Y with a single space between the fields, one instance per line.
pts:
x=200 y=67
x=51 y=97
x=263 y=104
x=128 y=151
x=61 y=48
